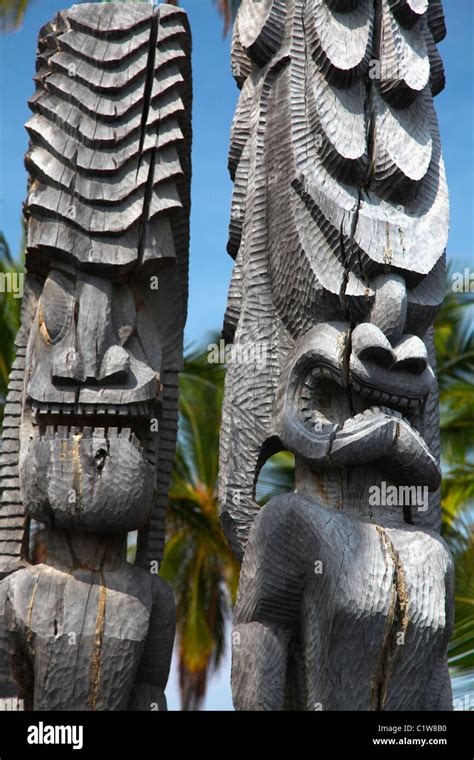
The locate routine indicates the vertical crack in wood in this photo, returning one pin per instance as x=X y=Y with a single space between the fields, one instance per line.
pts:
x=371 y=136
x=395 y=626
x=148 y=90
x=75 y=454
x=98 y=641
x=147 y=95
x=29 y=632
x=109 y=160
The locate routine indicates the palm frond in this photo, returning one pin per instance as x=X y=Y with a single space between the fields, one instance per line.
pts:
x=276 y=476
x=11 y=14
x=198 y=562
x=460 y=536
x=227 y=9
x=10 y=311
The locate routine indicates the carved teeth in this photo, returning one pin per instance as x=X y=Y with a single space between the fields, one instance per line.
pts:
x=384 y=398
x=387 y=410
x=320 y=371
x=139 y=410
x=364 y=391
x=66 y=431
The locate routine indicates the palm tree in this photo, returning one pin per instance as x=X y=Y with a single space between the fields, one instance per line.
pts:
x=227 y=9
x=454 y=339
x=11 y=14
x=10 y=308
x=460 y=536
x=198 y=563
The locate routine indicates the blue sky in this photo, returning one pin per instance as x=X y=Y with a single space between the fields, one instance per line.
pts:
x=215 y=96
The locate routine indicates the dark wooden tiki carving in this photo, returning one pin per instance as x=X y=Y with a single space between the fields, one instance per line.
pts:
x=91 y=418
x=338 y=230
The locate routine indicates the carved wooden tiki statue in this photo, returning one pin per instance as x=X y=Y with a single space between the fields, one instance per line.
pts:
x=338 y=230
x=91 y=417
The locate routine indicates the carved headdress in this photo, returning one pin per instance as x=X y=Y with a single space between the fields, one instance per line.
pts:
x=338 y=231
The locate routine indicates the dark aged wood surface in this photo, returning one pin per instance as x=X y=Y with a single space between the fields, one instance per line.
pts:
x=338 y=230
x=91 y=417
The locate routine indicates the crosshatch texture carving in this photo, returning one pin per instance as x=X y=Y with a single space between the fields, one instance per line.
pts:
x=338 y=230
x=91 y=417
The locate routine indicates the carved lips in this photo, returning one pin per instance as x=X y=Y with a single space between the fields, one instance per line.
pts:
x=329 y=415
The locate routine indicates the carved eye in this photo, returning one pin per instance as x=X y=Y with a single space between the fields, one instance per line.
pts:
x=57 y=306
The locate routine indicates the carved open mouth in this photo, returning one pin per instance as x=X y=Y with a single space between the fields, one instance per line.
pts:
x=113 y=415
x=325 y=394
x=342 y=408
x=137 y=423
x=333 y=380
x=102 y=455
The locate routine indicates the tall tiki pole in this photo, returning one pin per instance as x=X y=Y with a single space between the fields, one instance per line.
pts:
x=91 y=417
x=338 y=230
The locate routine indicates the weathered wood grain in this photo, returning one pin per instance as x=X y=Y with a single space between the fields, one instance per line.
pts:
x=91 y=419
x=338 y=231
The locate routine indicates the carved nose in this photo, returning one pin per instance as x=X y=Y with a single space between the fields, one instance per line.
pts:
x=408 y=354
x=94 y=352
x=369 y=343
x=389 y=310
x=114 y=364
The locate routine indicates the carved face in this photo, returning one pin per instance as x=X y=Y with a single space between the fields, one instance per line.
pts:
x=354 y=219
x=89 y=437
x=338 y=229
x=364 y=367
x=100 y=347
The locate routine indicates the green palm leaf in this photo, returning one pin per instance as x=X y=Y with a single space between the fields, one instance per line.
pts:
x=11 y=14
x=10 y=309
x=198 y=563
